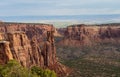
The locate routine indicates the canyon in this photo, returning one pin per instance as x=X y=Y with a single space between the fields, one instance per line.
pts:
x=91 y=50
x=31 y=45
x=34 y=44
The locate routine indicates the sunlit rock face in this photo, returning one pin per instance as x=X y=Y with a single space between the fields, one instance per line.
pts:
x=30 y=44
x=79 y=35
x=5 y=53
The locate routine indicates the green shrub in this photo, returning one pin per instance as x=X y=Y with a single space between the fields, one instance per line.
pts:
x=43 y=73
x=14 y=69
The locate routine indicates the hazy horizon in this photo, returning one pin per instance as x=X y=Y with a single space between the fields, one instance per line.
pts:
x=64 y=20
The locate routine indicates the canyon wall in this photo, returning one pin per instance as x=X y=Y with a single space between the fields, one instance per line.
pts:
x=30 y=44
x=79 y=35
x=37 y=31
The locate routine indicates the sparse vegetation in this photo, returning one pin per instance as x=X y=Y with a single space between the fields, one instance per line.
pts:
x=100 y=60
x=14 y=69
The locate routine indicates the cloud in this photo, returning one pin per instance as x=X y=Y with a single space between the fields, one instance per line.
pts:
x=83 y=11
x=58 y=7
x=38 y=12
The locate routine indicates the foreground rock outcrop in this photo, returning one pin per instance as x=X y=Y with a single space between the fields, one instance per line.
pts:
x=31 y=45
x=5 y=53
x=79 y=35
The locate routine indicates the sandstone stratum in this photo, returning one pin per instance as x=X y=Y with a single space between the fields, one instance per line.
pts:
x=31 y=45
x=83 y=35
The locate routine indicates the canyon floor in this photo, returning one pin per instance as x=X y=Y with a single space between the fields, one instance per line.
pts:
x=100 y=60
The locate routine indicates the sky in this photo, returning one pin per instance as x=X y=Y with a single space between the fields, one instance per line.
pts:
x=58 y=7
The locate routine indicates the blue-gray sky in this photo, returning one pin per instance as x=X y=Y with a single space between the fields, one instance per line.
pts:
x=58 y=7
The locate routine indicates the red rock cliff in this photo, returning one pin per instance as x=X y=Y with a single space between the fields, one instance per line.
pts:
x=77 y=35
x=37 y=31
x=5 y=53
x=30 y=45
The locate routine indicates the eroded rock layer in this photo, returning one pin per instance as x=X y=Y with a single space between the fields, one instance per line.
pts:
x=79 y=35
x=30 y=44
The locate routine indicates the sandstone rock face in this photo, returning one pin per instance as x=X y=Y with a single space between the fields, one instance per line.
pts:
x=5 y=53
x=49 y=55
x=33 y=31
x=30 y=44
x=77 y=35
x=20 y=46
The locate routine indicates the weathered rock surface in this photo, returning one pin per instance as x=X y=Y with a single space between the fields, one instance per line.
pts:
x=77 y=35
x=5 y=53
x=37 y=31
x=30 y=44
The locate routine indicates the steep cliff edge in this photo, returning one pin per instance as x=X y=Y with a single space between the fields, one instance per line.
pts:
x=5 y=53
x=38 y=31
x=79 y=35
x=16 y=45
x=31 y=45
